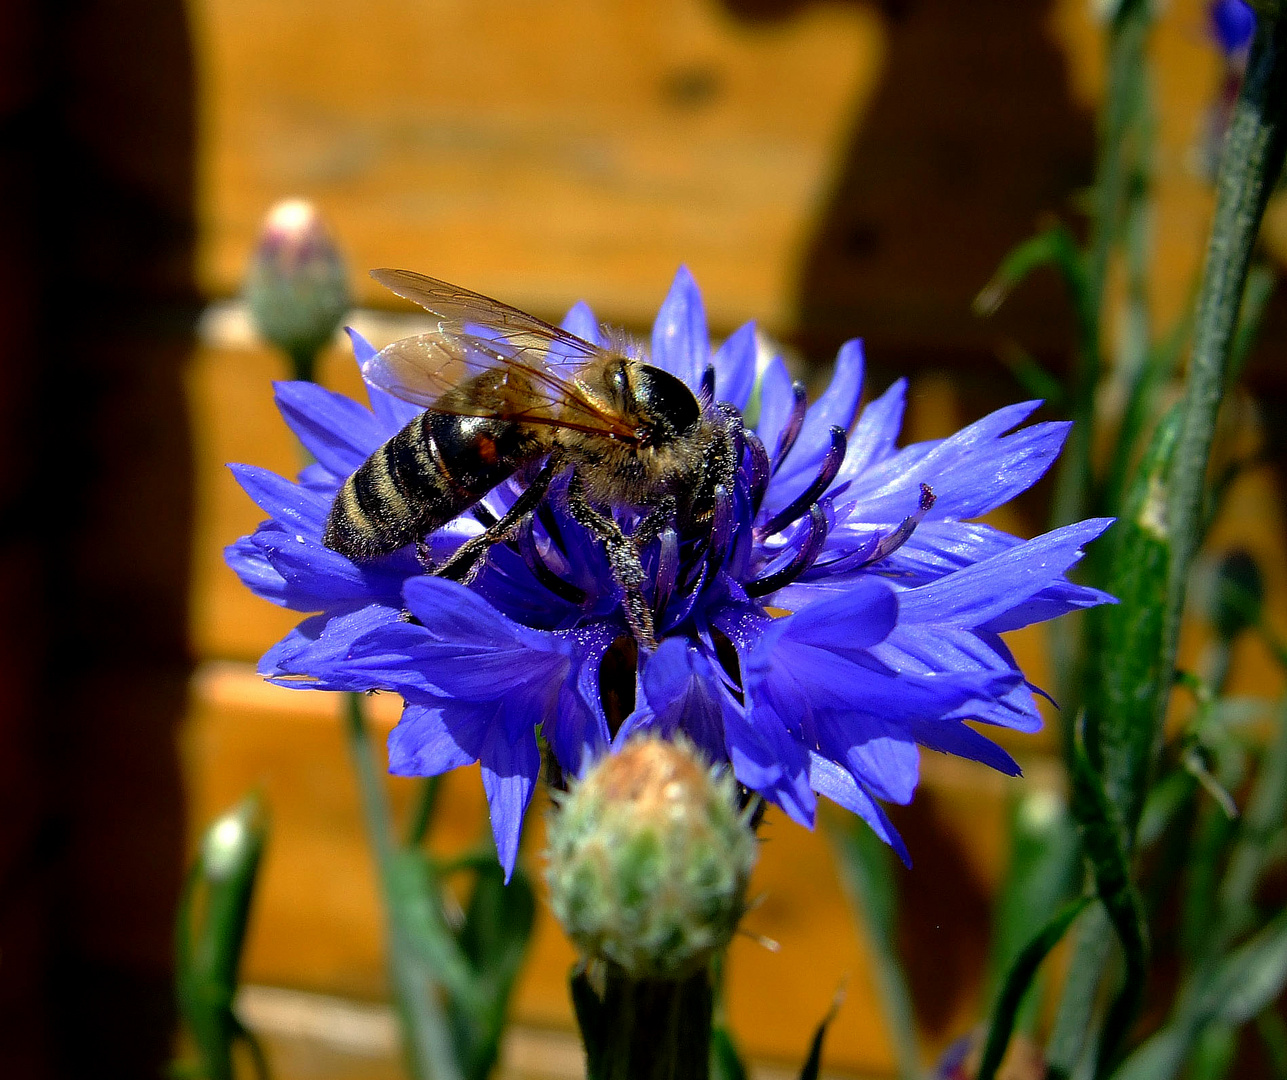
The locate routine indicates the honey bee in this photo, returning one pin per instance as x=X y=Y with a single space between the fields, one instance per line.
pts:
x=501 y=390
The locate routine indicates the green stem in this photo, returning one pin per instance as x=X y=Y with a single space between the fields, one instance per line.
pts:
x=1252 y=160
x=645 y=1029
x=429 y=1047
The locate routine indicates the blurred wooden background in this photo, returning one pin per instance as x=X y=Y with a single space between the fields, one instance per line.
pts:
x=829 y=168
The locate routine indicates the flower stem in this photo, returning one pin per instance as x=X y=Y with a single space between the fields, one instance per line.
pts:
x=1252 y=160
x=428 y=1042
x=645 y=1029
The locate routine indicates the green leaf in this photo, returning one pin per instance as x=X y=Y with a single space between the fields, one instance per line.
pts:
x=1055 y=247
x=1033 y=379
x=414 y=891
x=1266 y=813
x=1044 y=857
x=813 y=1063
x=1273 y=1034
x=1244 y=983
x=1144 y=388
x=210 y=931
x=1102 y=841
x=494 y=939
x=1212 y=1054
x=1019 y=979
x=1123 y=700
x=726 y=1062
x=1252 y=976
x=867 y=874
x=1261 y=281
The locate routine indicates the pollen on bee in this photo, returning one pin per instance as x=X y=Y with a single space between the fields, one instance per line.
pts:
x=486 y=448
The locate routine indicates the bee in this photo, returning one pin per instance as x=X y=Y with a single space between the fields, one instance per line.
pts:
x=502 y=390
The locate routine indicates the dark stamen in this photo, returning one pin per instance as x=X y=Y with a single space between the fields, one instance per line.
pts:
x=483 y=516
x=758 y=471
x=826 y=473
x=564 y=590
x=795 y=421
x=721 y=530
x=896 y=539
x=802 y=560
x=708 y=383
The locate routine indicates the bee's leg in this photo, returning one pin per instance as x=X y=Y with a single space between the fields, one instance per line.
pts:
x=422 y=554
x=652 y=523
x=623 y=557
x=467 y=559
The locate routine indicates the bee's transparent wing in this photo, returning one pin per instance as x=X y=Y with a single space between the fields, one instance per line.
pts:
x=475 y=334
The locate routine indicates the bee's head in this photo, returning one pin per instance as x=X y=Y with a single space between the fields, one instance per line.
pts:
x=666 y=408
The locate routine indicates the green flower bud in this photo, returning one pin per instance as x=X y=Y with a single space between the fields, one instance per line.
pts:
x=297 y=286
x=648 y=860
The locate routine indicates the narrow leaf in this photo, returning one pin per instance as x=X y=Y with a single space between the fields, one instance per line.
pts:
x=813 y=1063
x=1123 y=701
x=1019 y=978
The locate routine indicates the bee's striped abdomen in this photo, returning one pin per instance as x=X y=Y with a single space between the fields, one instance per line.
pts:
x=428 y=473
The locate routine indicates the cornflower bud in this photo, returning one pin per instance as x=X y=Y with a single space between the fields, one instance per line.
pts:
x=296 y=285
x=648 y=860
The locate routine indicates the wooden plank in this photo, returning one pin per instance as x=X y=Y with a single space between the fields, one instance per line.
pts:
x=580 y=149
x=818 y=166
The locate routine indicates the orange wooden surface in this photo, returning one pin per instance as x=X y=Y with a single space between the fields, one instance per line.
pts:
x=583 y=152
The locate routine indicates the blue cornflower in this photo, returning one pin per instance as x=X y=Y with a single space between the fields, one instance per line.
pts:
x=839 y=612
x=1233 y=24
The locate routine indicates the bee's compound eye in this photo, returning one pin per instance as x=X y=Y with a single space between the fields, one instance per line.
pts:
x=668 y=397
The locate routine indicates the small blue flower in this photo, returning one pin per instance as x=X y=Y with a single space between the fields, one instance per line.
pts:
x=841 y=612
x=1233 y=24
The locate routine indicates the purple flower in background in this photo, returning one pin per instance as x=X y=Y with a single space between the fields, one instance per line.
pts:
x=841 y=611
x=1233 y=24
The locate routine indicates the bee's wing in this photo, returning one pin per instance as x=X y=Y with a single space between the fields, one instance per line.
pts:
x=476 y=333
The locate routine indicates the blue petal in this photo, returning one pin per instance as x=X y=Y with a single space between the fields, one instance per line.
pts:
x=433 y=739
x=1053 y=601
x=846 y=624
x=876 y=751
x=776 y=402
x=735 y=364
x=971 y=473
x=335 y=429
x=681 y=691
x=954 y=737
x=952 y=652
x=874 y=436
x=679 y=341
x=834 y=782
x=578 y=733
x=767 y=759
x=391 y=413
x=320 y=578
x=318 y=650
x=477 y=654
x=580 y=322
x=294 y=506
x=976 y=594
x=248 y=562
x=510 y=768
x=835 y=408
